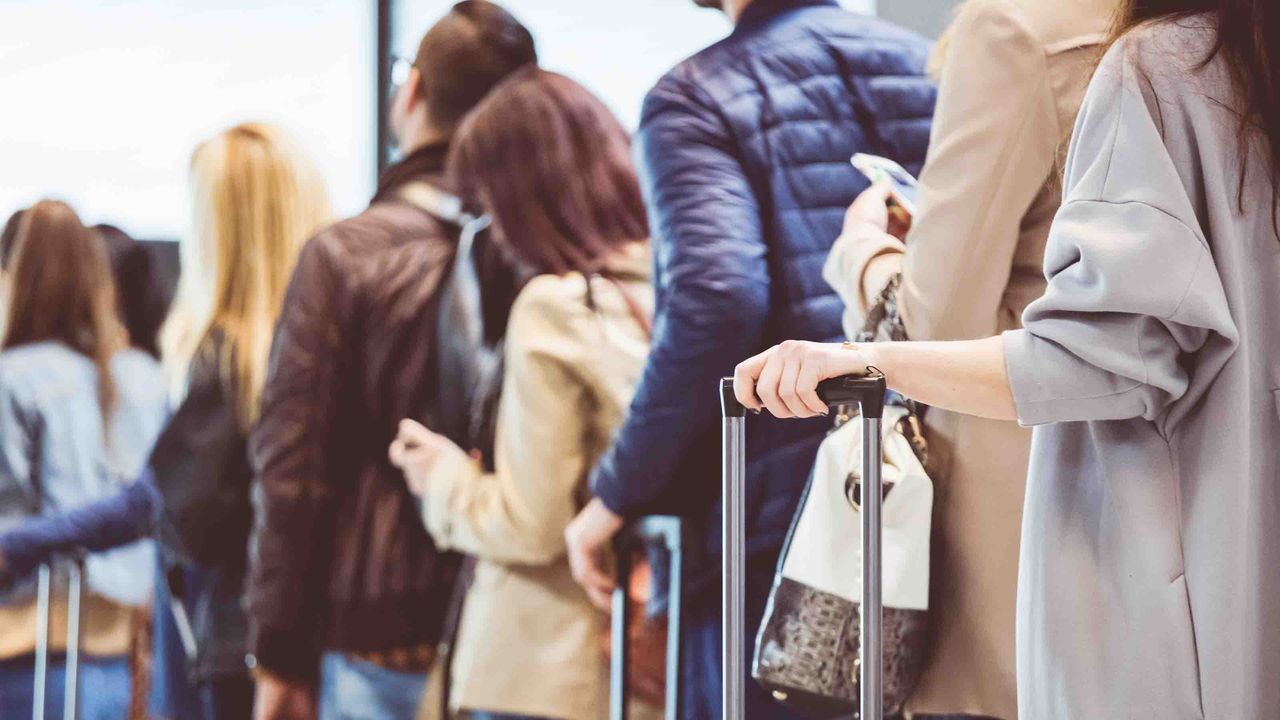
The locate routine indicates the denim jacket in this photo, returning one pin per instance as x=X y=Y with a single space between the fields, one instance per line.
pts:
x=54 y=454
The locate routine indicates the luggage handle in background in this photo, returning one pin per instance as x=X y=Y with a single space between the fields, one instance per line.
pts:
x=71 y=681
x=668 y=532
x=868 y=393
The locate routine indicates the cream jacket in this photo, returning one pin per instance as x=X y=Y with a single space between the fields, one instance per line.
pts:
x=1013 y=78
x=530 y=641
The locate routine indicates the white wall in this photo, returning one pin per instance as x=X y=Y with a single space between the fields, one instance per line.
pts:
x=103 y=101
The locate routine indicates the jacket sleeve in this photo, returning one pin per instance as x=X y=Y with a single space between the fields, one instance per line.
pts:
x=712 y=283
x=201 y=469
x=293 y=490
x=20 y=429
x=108 y=523
x=517 y=514
x=987 y=164
x=1133 y=289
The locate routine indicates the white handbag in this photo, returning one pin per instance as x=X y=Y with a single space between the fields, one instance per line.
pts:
x=828 y=524
x=807 y=646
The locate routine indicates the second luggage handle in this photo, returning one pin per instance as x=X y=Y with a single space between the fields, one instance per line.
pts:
x=866 y=391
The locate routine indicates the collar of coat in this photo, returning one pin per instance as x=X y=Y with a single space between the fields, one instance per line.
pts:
x=426 y=164
x=760 y=11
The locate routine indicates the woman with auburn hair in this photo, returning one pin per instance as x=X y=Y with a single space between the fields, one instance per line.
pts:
x=256 y=199
x=78 y=411
x=1148 y=585
x=576 y=341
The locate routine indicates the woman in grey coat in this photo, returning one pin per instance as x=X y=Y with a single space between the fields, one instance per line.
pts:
x=1149 y=583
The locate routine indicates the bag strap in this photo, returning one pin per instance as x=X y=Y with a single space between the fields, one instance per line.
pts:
x=634 y=307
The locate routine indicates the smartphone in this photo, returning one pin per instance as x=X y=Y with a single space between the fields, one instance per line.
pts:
x=904 y=189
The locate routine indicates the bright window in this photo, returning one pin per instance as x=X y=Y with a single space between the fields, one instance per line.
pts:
x=103 y=101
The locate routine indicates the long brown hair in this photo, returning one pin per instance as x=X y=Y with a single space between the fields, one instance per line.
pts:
x=1248 y=39
x=62 y=291
x=552 y=166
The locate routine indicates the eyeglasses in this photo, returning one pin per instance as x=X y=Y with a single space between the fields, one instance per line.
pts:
x=400 y=70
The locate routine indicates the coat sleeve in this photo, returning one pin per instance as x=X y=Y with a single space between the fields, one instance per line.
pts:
x=1133 y=291
x=102 y=525
x=517 y=514
x=712 y=283
x=986 y=165
x=293 y=489
x=20 y=428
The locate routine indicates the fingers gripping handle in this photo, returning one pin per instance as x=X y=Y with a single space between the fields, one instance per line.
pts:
x=866 y=391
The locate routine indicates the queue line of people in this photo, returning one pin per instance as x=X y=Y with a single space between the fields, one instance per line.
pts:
x=337 y=492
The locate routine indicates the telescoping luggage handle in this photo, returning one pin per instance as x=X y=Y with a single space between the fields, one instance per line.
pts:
x=868 y=393
x=668 y=532
x=71 y=681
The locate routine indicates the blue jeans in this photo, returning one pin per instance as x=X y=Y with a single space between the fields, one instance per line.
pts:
x=103 y=692
x=355 y=689
x=482 y=715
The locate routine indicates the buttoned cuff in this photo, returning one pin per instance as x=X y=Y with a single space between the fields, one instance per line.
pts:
x=846 y=266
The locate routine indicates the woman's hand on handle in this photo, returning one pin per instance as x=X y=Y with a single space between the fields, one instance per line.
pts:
x=784 y=379
x=966 y=376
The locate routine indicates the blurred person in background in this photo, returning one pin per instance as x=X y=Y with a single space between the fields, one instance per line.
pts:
x=969 y=266
x=79 y=410
x=1147 y=580
x=194 y=494
x=141 y=295
x=744 y=159
x=347 y=594
x=577 y=339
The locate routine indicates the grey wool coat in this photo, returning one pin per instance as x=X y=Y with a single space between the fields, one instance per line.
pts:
x=1150 y=569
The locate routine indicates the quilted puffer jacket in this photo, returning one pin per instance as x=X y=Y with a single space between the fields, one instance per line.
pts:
x=743 y=152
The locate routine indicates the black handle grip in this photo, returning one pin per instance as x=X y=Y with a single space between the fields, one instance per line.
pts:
x=864 y=390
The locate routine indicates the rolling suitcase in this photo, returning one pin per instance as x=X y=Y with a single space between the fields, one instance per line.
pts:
x=666 y=532
x=44 y=599
x=867 y=393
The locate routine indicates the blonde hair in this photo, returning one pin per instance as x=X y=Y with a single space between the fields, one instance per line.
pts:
x=255 y=201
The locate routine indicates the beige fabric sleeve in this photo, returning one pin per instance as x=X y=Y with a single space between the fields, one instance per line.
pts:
x=517 y=515
x=995 y=139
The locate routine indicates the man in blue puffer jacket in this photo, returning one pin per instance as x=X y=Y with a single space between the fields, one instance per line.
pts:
x=743 y=153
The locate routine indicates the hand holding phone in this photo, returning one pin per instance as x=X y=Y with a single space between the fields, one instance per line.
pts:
x=903 y=189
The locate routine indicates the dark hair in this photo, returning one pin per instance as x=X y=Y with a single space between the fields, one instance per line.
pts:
x=8 y=238
x=1248 y=39
x=464 y=55
x=552 y=166
x=62 y=291
x=140 y=298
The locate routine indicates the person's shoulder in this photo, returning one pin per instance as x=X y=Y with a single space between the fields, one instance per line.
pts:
x=136 y=362
x=1161 y=54
x=807 y=40
x=550 y=312
x=41 y=359
x=141 y=377
x=551 y=298
x=1055 y=25
x=384 y=225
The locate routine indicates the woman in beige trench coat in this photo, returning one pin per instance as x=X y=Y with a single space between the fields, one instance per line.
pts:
x=1013 y=76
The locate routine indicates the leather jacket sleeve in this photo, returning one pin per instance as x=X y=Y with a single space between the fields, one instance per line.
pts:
x=713 y=286
x=293 y=491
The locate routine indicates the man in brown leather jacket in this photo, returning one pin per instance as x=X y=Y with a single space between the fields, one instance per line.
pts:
x=346 y=593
